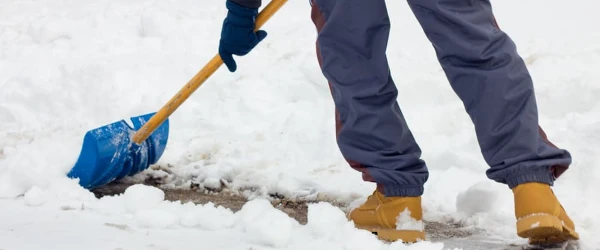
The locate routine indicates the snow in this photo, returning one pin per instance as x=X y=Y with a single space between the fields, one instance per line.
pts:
x=405 y=222
x=165 y=224
x=68 y=66
x=141 y=197
x=481 y=197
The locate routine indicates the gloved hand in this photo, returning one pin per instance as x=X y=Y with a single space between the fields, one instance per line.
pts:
x=237 y=35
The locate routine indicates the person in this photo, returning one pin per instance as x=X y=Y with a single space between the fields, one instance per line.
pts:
x=484 y=69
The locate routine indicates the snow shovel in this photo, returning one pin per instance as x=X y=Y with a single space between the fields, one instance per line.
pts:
x=117 y=150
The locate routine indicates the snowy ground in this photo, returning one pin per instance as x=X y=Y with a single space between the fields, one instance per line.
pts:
x=67 y=66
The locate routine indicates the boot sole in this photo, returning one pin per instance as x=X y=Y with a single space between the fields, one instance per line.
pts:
x=545 y=229
x=387 y=234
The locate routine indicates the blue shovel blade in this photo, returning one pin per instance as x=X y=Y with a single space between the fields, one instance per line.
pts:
x=108 y=154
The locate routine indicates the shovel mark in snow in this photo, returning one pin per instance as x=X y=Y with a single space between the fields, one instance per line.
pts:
x=117 y=226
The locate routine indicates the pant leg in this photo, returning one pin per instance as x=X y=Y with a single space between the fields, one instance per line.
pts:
x=487 y=73
x=372 y=133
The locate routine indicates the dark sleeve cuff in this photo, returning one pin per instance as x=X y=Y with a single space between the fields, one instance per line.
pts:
x=248 y=3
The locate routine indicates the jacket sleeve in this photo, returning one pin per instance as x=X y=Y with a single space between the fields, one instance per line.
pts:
x=248 y=3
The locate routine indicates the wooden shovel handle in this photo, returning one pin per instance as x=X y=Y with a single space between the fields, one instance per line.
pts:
x=187 y=90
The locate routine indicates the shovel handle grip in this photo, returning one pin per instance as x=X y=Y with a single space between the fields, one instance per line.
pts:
x=187 y=90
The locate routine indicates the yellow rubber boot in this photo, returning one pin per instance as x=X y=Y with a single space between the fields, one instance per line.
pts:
x=540 y=216
x=380 y=215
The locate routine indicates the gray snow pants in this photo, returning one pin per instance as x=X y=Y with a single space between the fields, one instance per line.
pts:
x=481 y=64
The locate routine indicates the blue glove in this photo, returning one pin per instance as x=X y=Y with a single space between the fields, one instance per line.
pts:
x=237 y=35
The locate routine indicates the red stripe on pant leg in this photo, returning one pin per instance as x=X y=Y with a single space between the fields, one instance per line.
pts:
x=319 y=21
x=557 y=170
x=496 y=23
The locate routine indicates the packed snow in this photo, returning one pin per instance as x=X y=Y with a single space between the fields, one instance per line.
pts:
x=67 y=66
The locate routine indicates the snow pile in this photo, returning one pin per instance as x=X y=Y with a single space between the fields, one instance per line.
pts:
x=479 y=198
x=142 y=210
x=266 y=225
x=68 y=66
x=405 y=222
